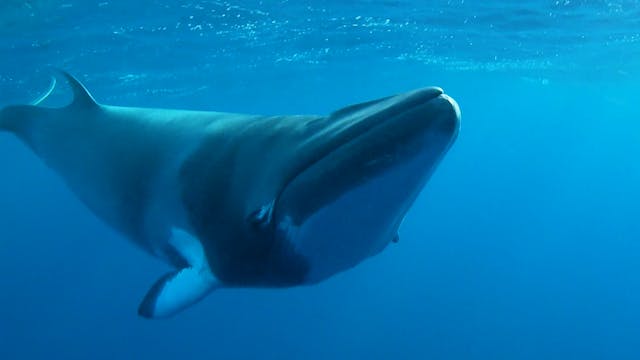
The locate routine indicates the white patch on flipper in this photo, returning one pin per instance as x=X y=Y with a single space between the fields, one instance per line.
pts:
x=180 y=289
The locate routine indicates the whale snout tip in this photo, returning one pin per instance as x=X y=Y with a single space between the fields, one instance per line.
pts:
x=439 y=110
x=448 y=113
x=438 y=90
x=453 y=104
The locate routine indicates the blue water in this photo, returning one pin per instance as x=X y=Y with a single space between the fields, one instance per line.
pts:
x=525 y=244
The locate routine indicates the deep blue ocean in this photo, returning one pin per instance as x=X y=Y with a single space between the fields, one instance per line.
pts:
x=525 y=243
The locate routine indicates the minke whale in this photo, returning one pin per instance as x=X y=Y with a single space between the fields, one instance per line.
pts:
x=233 y=200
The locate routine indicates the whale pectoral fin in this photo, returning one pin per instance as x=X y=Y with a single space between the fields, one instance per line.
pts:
x=182 y=288
x=176 y=291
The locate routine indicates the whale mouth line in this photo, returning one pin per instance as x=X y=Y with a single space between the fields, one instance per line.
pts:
x=363 y=134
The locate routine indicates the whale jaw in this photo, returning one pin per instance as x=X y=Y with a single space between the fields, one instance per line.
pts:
x=379 y=174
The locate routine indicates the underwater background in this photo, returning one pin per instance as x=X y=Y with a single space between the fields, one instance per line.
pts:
x=525 y=244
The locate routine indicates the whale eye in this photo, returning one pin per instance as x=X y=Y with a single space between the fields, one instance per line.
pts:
x=261 y=218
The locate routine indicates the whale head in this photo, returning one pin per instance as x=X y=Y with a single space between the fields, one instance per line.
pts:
x=288 y=200
x=370 y=161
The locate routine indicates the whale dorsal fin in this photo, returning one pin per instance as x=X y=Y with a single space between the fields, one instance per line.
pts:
x=81 y=96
